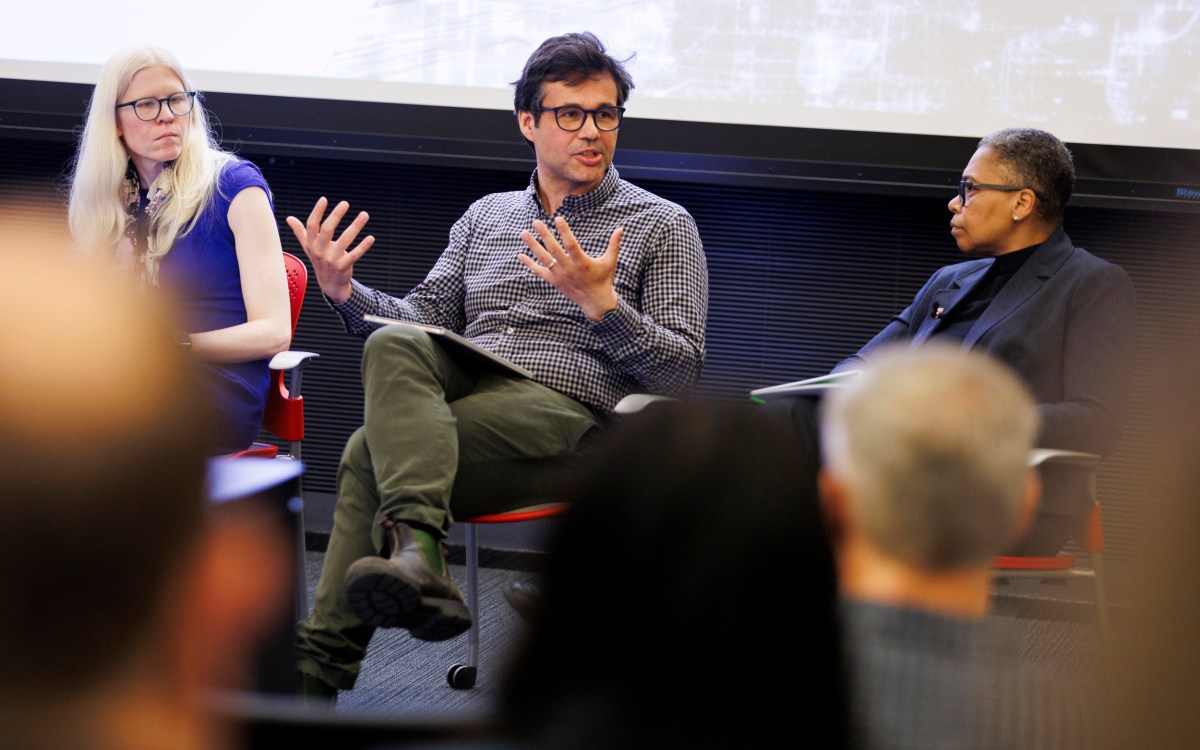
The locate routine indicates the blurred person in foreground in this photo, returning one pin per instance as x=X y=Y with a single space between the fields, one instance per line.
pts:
x=1155 y=661
x=152 y=190
x=660 y=623
x=126 y=601
x=925 y=478
x=1063 y=319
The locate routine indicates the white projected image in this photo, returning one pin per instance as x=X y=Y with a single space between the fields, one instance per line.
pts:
x=1108 y=72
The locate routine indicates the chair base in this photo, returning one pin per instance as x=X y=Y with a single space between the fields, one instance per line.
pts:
x=463 y=676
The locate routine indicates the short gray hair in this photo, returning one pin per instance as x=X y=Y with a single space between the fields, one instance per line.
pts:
x=1039 y=160
x=933 y=444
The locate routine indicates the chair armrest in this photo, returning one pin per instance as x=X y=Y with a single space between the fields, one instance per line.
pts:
x=635 y=402
x=1039 y=456
x=284 y=415
x=290 y=360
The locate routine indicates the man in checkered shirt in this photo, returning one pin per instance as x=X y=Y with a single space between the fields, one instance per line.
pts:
x=595 y=286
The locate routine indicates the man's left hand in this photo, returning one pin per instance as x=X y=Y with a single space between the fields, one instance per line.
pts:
x=586 y=281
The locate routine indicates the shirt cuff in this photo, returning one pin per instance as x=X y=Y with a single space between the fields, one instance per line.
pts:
x=352 y=310
x=618 y=327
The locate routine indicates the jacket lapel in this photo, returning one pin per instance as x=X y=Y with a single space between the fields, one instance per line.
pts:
x=1044 y=263
x=945 y=299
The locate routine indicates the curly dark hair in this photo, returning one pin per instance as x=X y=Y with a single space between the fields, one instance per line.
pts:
x=1041 y=161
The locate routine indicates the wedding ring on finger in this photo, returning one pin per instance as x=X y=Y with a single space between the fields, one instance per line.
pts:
x=551 y=264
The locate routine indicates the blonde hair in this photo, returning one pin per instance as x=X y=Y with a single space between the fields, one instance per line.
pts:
x=96 y=212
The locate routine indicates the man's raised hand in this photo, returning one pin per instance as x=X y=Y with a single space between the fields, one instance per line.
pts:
x=332 y=260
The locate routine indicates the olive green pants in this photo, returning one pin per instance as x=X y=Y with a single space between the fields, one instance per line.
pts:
x=427 y=417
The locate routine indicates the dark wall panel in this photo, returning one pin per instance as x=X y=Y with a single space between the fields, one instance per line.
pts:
x=799 y=279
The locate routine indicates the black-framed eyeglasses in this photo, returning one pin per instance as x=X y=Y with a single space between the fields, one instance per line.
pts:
x=966 y=189
x=572 y=118
x=148 y=108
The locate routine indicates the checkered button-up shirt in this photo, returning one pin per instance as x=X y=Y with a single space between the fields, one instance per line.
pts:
x=653 y=342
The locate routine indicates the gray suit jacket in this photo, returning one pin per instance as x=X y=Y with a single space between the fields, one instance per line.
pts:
x=1066 y=322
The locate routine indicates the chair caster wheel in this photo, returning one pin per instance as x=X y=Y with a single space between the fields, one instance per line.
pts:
x=461 y=677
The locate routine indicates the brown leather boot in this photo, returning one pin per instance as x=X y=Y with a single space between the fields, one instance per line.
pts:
x=403 y=591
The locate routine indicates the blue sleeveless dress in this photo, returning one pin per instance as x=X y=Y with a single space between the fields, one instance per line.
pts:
x=201 y=274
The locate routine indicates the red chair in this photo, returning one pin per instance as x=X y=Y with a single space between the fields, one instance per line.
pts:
x=462 y=676
x=284 y=415
x=1065 y=565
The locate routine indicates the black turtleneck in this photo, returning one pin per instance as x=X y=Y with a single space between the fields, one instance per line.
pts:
x=958 y=321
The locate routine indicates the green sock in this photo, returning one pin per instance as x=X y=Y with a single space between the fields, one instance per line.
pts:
x=315 y=687
x=431 y=548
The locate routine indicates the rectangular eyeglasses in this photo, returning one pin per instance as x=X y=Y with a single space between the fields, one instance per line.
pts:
x=572 y=118
x=148 y=108
x=967 y=189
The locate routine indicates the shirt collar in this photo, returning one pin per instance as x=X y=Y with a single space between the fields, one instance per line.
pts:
x=580 y=203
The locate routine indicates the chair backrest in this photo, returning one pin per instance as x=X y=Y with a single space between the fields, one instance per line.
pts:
x=1093 y=532
x=297 y=280
x=284 y=415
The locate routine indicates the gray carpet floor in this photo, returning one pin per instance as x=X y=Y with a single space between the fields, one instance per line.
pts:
x=402 y=676
x=403 y=700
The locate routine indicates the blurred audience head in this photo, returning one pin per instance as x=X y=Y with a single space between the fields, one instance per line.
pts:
x=120 y=594
x=926 y=456
x=670 y=590
x=34 y=220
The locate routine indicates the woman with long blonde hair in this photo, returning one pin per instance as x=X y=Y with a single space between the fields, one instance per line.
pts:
x=152 y=190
